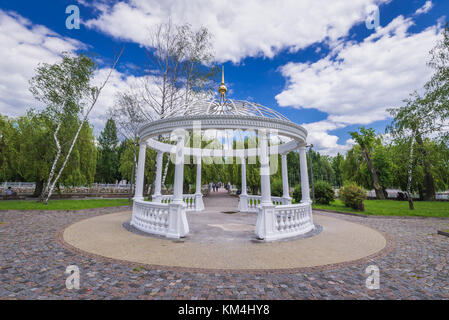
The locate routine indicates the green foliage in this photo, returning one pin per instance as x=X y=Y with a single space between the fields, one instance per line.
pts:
x=353 y=196
x=337 y=162
x=324 y=193
x=62 y=86
x=27 y=150
x=108 y=157
x=8 y=149
x=297 y=193
x=276 y=187
x=81 y=167
x=128 y=155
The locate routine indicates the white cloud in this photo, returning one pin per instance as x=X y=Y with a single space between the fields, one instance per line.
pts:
x=241 y=28
x=425 y=8
x=357 y=82
x=24 y=46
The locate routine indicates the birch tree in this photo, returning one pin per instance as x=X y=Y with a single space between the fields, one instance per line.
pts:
x=61 y=87
x=66 y=89
x=177 y=69
x=365 y=139
x=127 y=114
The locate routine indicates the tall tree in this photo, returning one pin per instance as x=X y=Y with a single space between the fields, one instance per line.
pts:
x=127 y=113
x=365 y=139
x=72 y=76
x=177 y=71
x=61 y=87
x=108 y=160
x=337 y=166
x=8 y=149
x=426 y=115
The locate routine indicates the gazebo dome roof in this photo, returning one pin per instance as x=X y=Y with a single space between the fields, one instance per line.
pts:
x=227 y=107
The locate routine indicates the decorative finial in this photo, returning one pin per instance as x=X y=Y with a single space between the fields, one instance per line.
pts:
x=222 y=89
x=222 y=75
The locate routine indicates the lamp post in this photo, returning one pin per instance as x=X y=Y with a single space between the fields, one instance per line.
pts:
x=310 y=146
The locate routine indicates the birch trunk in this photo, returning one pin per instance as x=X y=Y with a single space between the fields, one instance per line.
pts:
x=94 y=101
x=53 y=167
x=133 y=173
x=409 y=177
x=379 y=192
x=165 y=171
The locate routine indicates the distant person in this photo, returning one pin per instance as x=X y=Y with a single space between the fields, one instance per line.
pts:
x=214 y=187
x=10 y=193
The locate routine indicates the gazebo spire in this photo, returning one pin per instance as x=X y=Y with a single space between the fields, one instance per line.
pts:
x=222 y=89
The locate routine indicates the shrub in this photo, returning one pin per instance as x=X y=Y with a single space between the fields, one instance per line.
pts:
x=324 y=193
x=353 y=195
x=297 y=194
x=277 y=188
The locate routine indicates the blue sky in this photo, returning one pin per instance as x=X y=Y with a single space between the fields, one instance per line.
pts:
x=315 y=61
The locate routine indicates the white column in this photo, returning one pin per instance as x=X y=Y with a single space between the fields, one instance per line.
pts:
x=178 y=226
x=140 y=171
x=264 y=158
x=198 y=175
x=158 y=180
x=199 y=204
x=244 y=187
x=304 y=175
x=179 y=171
x=266 y=216
x=286 y=192
x=243 y=202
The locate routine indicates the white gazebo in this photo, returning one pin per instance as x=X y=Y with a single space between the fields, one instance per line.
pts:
x=166 y=215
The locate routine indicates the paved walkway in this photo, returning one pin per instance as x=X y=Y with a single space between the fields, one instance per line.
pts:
x=32 y=265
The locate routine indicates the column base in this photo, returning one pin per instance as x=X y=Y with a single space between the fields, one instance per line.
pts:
x=243 y=203
x=286 y=200
x=178 y=226
x=156 y=198
x=265 y=223
x=199 y=203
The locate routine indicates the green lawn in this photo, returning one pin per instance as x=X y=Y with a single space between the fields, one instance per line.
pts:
x=393 y=208
x=62 y=204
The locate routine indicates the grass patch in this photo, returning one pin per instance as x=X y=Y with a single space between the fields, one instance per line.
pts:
x=138 y=269
x=393 y=208
x=63 y=204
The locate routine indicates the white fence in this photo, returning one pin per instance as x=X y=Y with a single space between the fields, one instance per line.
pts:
x=254 y=202
x=151 y=218
x=285 y=221
x=189 y=199
x=291 y=220
x=167 y=220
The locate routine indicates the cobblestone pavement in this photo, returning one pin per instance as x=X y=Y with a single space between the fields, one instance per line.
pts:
x=32 y=266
